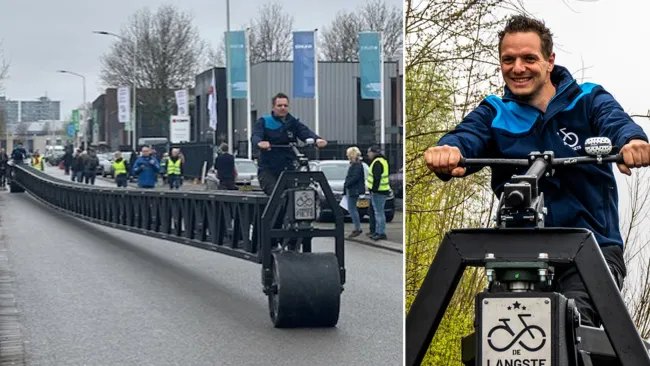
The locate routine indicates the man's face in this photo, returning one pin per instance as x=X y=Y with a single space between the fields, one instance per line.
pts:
x=145 y=151
x=281 y=107
x=523 y=66
x=371 y=155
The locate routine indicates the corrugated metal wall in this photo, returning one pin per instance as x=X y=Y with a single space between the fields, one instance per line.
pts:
x=338 y=98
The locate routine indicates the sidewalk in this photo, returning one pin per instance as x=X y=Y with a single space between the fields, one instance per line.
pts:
x=394 y=232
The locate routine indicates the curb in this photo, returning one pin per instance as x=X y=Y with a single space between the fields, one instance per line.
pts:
x=395 y=247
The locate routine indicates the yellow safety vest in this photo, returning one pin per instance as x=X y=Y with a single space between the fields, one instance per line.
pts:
x=36 y=161
x=119 y=168
x=174 y=168
x=384 y=185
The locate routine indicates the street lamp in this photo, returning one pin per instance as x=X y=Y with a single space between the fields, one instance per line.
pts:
x=85 y=119
x=135 y=52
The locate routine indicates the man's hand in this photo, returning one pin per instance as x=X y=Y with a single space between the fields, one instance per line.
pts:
x=264 y=145
x=444 y=159
x=152 y=162
x=636 y=154
x=321 y=142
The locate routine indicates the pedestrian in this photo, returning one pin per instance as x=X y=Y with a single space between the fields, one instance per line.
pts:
x=163 y=167
x=354 y=187
x=4 y=160
x=91 y=162
x=146 y=168
x=175 y=169
x=19 y=153
x=67 y=158
x=132 y=159
x=224 y=164
x=120 y=170
x=379 y=186
x=37 y=160
x=77 y=167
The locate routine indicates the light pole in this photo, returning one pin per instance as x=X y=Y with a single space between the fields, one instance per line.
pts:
x=85 y=109
x=135 y=65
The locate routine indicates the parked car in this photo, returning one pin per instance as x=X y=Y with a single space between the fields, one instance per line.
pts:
x=105 y=167
x=335 y=172
x=397 y=183
x=246 y=176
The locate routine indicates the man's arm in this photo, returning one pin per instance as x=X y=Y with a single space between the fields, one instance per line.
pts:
x=257 y=134
x=302 y=131
x=472 y=136
x=610 y=120
x=377 y=170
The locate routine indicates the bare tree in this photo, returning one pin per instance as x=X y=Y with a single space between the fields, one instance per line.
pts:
x=169 y=55
x=271 y=34
x=340 y=41
x=216 y=57
x=4 y=68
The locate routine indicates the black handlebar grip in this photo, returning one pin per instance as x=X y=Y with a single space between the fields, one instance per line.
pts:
x=461 y=163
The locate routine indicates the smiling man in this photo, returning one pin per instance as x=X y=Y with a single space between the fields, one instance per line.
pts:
x=544 y=109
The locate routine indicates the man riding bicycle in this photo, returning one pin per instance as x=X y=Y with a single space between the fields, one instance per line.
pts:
x=543 y=108
x=278 y=128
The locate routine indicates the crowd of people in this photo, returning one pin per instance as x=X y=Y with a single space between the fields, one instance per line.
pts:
x=145 y=168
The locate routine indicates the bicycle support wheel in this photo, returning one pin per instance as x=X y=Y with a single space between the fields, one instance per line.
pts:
x=306 y=290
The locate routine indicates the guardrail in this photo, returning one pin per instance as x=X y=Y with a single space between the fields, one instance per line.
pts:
x=226 y=222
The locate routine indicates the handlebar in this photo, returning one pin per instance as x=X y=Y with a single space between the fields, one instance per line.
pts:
x=618 y=159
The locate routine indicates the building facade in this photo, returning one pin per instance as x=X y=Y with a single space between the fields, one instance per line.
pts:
x=30 y=110
x=343 y=115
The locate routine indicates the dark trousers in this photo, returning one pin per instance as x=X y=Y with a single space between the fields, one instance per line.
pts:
x=174 y=181
x=570 y=285
x=228 y=185
x=89 y=178
x=121 y=180
x=77 y=176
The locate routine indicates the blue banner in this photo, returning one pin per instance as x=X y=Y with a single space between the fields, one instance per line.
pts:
x=71 y=130
x=369 y=64
x=237 y=55
x=304 y=70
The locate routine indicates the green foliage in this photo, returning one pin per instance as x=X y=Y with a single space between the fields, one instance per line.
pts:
x=450 y=68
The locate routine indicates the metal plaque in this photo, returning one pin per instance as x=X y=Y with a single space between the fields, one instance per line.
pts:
x=516 y=331
x=304 y=205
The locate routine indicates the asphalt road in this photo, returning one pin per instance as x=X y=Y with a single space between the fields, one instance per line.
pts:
x=90 y=295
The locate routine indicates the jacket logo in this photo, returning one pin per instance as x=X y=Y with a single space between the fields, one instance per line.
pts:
x=290 y=134
x=570 y=139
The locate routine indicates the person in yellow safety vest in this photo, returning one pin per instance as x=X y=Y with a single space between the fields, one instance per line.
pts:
x=120 y=170
x=174 y=169
x=379 y=187
x=37 y=161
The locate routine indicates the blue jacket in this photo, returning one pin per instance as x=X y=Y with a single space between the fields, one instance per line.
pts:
x=274 y=130
x=18 y=154
x=355 y=180
x=146 y=172
x=584 y=196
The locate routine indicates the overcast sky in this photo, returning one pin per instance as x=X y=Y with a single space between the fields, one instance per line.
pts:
x=44 y=36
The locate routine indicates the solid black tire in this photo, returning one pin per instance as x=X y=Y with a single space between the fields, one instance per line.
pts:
x=308 y=290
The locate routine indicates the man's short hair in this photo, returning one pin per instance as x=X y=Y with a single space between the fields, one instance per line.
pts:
x=522 y=23
x=279 y=96
x=224 y=147
x=375 y=149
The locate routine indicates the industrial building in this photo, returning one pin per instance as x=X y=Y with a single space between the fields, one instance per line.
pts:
x=343 y=115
